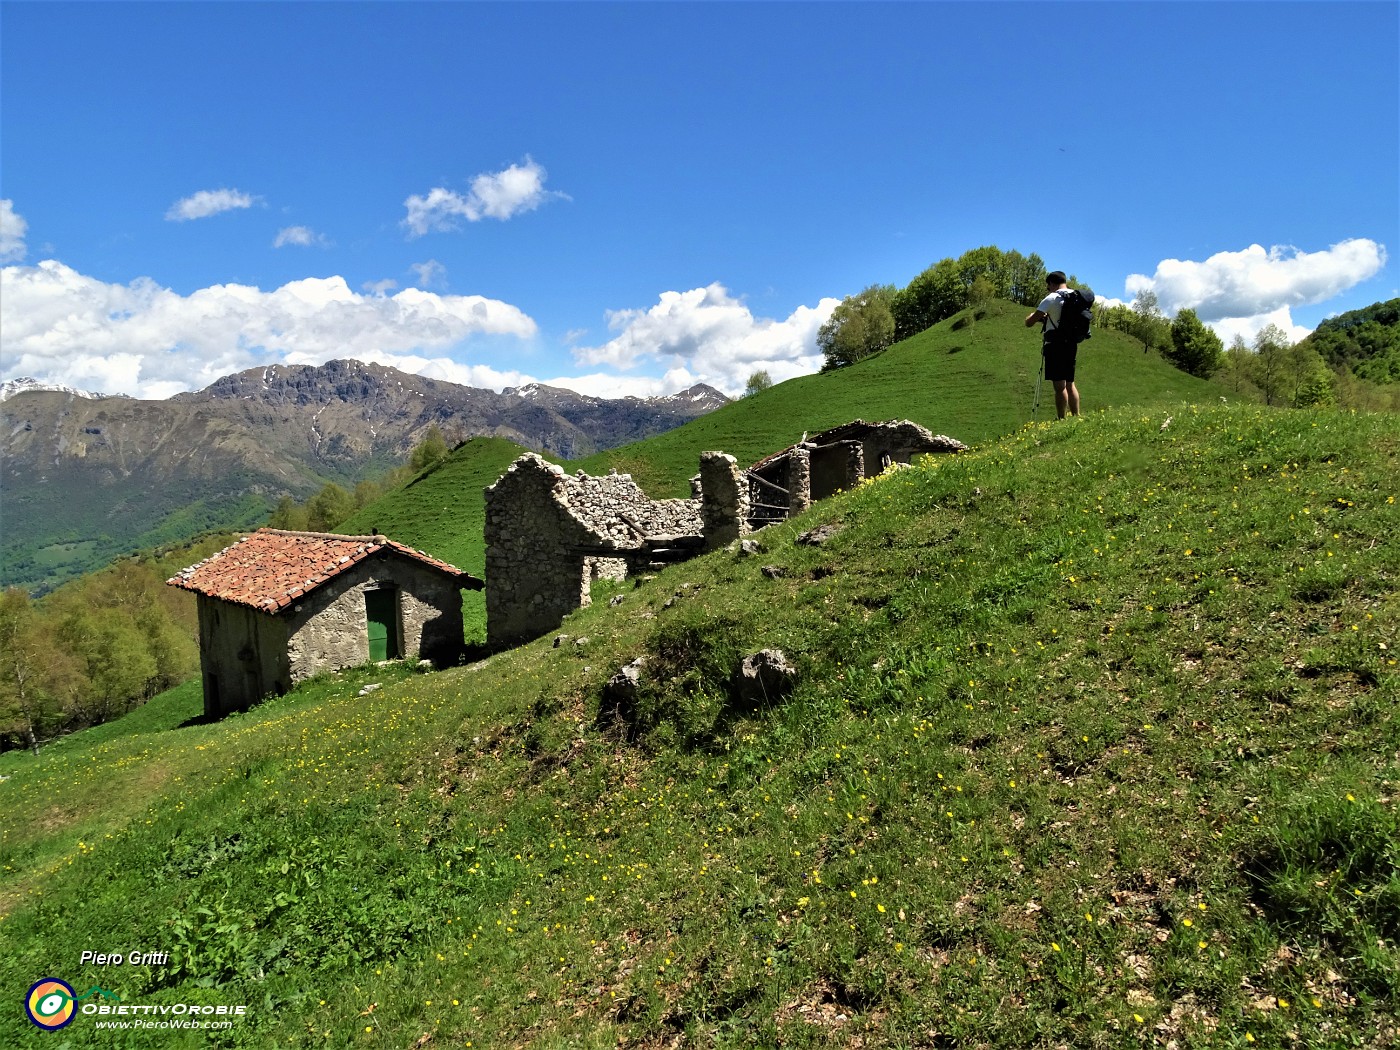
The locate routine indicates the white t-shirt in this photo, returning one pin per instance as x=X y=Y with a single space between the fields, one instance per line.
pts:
x=1051 y=307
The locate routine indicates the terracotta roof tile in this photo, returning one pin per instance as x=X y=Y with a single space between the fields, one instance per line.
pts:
x=272 y=568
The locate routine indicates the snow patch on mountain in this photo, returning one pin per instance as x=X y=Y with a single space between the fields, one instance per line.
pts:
x=27 y=384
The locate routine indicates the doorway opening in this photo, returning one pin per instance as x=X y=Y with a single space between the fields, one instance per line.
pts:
x=382 y=622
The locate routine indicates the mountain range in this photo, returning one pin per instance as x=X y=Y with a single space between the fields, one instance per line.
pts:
x=28 y=384
x=86 y=477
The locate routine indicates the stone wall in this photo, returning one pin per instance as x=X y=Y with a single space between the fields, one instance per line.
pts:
x=839 y=459
x=799 y=481
x=897 y=441
x=328 y=628
x=246 y=655
x=550 y=534
x=537 y=552
x=836 y=467
x=724 y=500
x=242 y=655
x=614 y=508
x=605 y=569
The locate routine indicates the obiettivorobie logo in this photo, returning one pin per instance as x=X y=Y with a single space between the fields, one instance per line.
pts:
x=52 y=1004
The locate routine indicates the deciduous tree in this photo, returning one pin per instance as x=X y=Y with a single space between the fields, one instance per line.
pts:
x=288 y=514
x=1270 y=347
x=860 y=325
x=429 y=452
x=26 y=707
x=1308 y=377
x=328 y=508
x=759 y=381
x=1237 y=368
x=1148 y=325
x=1194 y=347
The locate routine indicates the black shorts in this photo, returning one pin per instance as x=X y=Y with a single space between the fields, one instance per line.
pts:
x=1059 y=362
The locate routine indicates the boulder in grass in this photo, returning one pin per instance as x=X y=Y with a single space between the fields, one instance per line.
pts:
x=619 y=702
x=764 y=677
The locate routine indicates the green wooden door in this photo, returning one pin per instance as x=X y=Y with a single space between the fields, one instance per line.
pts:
x=382 y=619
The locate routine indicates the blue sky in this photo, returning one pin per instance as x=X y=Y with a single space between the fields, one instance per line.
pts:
x=627 y=198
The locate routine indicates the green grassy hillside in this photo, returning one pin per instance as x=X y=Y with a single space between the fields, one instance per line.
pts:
x=1093 y=743
x=972 y=377
x=435 y=512
x=442 y=512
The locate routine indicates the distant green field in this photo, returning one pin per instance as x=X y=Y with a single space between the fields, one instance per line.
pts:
x=57 y=557
x=96 y=533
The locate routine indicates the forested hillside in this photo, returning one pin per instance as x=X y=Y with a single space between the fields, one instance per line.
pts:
x=1366 y=342
x=98 y=646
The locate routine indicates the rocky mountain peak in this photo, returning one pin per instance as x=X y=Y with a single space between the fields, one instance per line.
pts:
x=346 y=381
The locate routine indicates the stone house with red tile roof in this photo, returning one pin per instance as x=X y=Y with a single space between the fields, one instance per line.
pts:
x=278 y=607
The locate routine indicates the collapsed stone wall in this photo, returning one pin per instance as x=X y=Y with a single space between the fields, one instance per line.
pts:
x=615 y=509
x=788 y=482
x=549 y=535
x=724 y=499
x=534 y=562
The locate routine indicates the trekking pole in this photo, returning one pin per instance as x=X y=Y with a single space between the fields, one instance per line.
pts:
x=1040 y=379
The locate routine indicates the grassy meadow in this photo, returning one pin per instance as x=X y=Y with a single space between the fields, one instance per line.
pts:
x=972 y=377
x=1093 y=743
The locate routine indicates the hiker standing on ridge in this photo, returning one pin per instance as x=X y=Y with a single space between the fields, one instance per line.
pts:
x=1059 y=353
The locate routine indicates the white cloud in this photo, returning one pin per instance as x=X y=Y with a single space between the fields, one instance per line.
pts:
x=487 y=377
x=148 y=341
x=429 y=273
x=483 y=377
x=1248 y=327
x=205 y=203
x=12 y=230
x=1240 y=292
x=301 y=237
x=381 y=287
x=607 y=385
x=519 y=188
x=714 y=338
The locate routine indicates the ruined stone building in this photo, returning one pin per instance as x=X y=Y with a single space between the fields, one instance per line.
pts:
x=839 y=459
x=549 y=534
x=278 y=607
